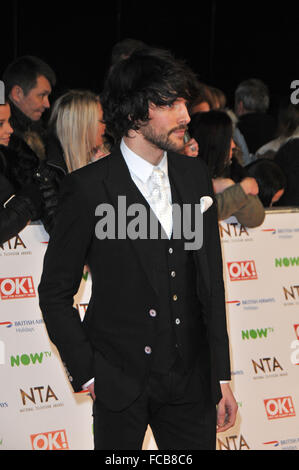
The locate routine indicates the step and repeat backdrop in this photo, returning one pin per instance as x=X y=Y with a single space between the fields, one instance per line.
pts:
x=38 y=409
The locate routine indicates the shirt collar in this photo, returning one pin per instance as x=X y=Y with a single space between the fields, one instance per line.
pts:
x=139 y=166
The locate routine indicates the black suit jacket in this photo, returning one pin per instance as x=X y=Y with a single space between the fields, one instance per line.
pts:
x=110 y=343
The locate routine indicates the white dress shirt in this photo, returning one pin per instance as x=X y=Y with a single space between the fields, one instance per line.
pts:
x=141 y=172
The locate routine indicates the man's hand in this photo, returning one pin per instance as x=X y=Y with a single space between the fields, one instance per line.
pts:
x=227 y=409
x=250 y=186
x=90 y=388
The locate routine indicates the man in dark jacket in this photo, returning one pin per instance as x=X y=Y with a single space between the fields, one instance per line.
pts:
x=28 y=83
x=251 y=105
x=154 y=335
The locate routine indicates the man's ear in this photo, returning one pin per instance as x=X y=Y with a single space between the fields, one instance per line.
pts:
x=16 y=94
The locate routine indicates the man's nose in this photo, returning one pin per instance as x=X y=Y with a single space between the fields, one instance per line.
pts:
x=184 y=114
x=46 y=102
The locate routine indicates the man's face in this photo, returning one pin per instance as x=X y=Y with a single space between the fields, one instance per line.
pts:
x=101 y=127
x=167 y=125
x=37 y=99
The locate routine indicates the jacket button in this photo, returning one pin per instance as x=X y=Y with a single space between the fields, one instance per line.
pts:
x=170 y=250
x=175 y=297
x=177 y=321
x=173 y=273
x=152 y=312
x=148 y=350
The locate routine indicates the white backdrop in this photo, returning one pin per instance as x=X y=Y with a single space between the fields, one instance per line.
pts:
x=38 y=409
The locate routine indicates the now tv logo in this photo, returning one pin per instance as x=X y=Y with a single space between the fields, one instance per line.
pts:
x=16 y=287
x=242 y=270
x=281 y=407
x=53 y=440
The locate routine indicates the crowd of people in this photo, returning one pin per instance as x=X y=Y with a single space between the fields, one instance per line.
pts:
x=251 y=158
x=175 y=132
x=251 y=155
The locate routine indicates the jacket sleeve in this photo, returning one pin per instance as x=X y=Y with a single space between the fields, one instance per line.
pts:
x=247 y=209
x=61 y=277
x=16 y=209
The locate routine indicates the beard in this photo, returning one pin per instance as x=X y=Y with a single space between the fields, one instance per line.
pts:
x=162 y=141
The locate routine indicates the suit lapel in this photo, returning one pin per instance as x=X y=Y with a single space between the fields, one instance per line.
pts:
x=119 y=183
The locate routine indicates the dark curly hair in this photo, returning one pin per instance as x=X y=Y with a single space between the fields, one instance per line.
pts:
x=148 y=76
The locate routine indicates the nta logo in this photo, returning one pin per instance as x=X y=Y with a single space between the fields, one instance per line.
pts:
x=232 y=230
x=13 y=244
x=38 y=394
x=266 y=364
x=291 y=292
x=233 y=443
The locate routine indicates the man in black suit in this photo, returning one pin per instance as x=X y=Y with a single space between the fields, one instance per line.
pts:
x=154 y=336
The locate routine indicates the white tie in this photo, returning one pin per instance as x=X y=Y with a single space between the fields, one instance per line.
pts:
x=160 y=200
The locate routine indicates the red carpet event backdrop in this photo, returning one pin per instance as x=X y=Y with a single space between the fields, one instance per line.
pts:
x=38 y=409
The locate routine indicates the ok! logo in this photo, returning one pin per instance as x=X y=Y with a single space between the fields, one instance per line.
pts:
x=16 y=287
x=280 y=407
x=242 y=270
x=53 y=440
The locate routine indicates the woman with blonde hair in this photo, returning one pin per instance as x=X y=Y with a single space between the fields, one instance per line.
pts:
x=77 y=121
x=75 y=139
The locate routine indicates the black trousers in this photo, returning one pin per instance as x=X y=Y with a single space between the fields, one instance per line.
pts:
x=178 y=408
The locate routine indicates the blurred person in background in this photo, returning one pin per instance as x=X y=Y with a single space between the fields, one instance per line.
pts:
x=287 y=158
x=288 y=128
x=124 y=48
x=75 y=138
x=20 y=196
x=28 y=84
x=236 y=194
x=204 y=101
x=252 y=102
x=271 y=180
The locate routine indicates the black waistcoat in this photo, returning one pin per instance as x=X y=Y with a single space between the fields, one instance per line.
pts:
x=179 y=326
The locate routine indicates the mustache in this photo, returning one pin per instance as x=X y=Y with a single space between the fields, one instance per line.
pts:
x=182 y=126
